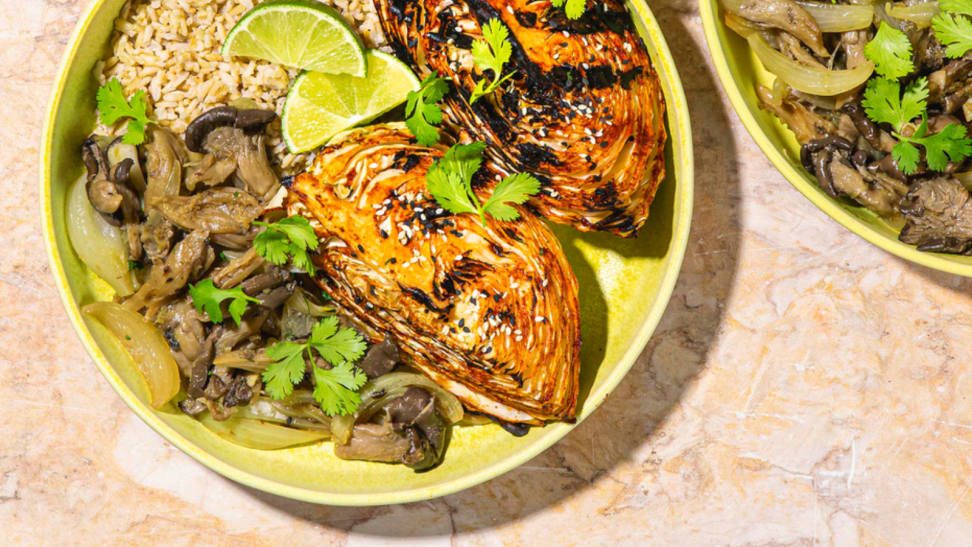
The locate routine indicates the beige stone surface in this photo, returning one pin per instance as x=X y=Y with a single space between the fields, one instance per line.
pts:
x=803 y=388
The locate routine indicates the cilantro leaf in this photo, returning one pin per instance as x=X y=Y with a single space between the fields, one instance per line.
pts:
x=287 y=371
x=206 y=296
x=963 y=7
x=884 y=102
x=574 y=8
x=491 y=53
x=422 y=112
x=952 y=29
x=906 y=156
x=890 y=51
x=513 y=189
x=113 y=106
x=949 y=144
x=337 y=388
x=291 y=238
x=336 y=344
x=449 y=191
x=449 y=180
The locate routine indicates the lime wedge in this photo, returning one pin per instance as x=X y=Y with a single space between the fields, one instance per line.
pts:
x=320 y=105
x=299 y=34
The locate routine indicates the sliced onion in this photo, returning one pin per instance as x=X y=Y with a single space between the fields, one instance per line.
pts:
x=839 y=17
x=258 y=434
x=919 y=14
x=376 y=394
x=145 y=344
x=818 y=81
x=101 y=246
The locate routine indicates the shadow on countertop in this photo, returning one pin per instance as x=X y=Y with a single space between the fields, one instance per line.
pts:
x=620 y=431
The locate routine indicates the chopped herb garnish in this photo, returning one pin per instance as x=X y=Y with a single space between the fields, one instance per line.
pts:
x=491 y=53
x=336 y=389
x=422 y=112
x=953 y=27
x=574 y=8
x=289 y=239
x=135 y=265
x=207 y=297
x=884 y=103
x=114 y=106
x=450 y=182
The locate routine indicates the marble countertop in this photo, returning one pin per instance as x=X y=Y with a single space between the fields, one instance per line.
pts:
x=803 y=388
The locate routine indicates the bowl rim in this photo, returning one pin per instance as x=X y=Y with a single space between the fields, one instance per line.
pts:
x=709 y=12
x=677 y=114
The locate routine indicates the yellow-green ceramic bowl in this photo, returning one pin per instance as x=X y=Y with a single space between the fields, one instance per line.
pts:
x=625 y=287
x=740 y=71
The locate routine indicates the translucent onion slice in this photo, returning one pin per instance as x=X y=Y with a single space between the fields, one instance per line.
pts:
x=101 y=246
x=814 y=80
x=919 y=14
x=145 y=344
x=839 y=17
x=379 y=391
x=258 y=434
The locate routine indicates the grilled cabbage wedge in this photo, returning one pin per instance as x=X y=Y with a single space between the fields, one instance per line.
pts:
x=584 y=111
x=490 y=313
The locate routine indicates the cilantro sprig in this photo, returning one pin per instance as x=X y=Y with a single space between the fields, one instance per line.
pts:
x=449 y=180
x=574 y=8
x=290 y=239
x=113 y=106
x=422 y=112
x=207 y=297
x=890 y=51
x=953 y=26
x=884 y=102
x=491 y=53
x=336 y=389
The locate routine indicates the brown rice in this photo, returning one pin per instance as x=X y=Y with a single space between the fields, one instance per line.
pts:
x=171 y=49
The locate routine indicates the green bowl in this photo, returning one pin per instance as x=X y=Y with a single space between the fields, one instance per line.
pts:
x=740 y=71
x=625 y=287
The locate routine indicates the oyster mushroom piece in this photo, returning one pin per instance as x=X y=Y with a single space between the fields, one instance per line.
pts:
x=108 y=189
x=489 y=313
x=583 y=112
x=250 y=120
x=250 y=154
x=232 y=140
x=781 y=14
x=189 y=259
x=938 y=216
x=165 y=155
x=221 y=210
x=411 y=432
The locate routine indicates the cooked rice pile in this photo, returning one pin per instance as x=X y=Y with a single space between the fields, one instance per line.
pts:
x=171 y=49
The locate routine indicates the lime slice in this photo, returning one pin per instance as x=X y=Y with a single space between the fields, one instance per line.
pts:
x=299 y=34
x=320 y=105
